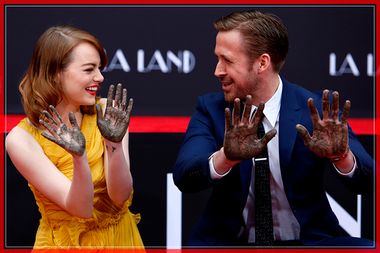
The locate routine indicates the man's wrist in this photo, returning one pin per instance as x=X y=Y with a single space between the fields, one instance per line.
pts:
x=221 y=163
x=346 y=163
x=227 y=161
x=340 y=158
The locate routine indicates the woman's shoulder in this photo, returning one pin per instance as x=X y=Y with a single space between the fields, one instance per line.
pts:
x=23 y=127
x=22 y=135
x=13 y=135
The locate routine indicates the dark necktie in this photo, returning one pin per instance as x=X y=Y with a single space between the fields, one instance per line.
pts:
x=263 y=202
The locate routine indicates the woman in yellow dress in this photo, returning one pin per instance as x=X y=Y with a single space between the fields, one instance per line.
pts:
x=72 y=147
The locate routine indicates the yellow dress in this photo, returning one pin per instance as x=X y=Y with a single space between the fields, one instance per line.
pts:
x=109 y=227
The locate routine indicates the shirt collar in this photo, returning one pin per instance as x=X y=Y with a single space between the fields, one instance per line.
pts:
x=272 y=106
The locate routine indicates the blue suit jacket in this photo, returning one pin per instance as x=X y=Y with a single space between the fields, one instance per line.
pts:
x=302 y=171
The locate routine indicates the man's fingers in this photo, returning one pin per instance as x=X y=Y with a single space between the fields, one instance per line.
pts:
x=227 y=113
x=236 y=112
x=268 y=136
x=304 y=134
x=325 y=104
x=335 y=106
x=247 y=110
x=258 y=116
x=346 y=111
x=313 y=111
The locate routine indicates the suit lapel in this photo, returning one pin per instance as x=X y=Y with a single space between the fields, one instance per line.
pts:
x=289 y=116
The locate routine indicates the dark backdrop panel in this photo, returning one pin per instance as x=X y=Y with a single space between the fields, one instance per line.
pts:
x=316 y=33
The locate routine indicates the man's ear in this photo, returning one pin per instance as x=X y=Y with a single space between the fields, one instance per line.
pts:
x=264 y=62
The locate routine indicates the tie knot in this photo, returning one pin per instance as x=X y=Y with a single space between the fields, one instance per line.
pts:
x=260 y=130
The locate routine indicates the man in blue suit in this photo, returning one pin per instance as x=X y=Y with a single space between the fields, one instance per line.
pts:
x=219 y=148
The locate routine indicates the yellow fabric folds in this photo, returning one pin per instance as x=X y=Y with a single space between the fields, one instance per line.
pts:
x=109 y=227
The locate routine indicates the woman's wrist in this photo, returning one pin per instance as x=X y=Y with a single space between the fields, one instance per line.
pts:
x=112 y=146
